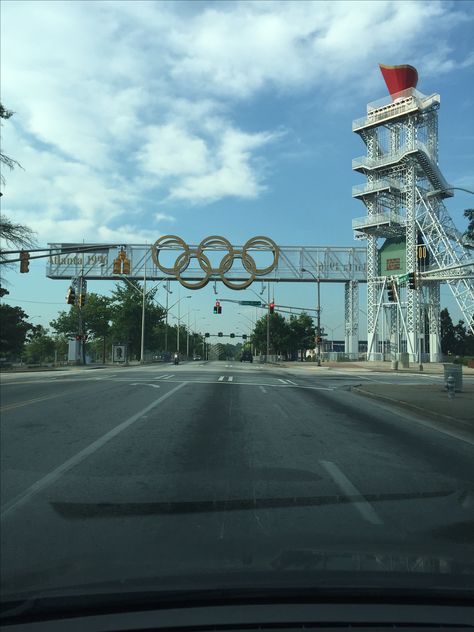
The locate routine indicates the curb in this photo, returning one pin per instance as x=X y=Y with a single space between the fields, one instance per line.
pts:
x=413 y=407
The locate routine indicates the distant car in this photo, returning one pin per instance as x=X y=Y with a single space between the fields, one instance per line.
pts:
x=246 y=356
x=197 y=357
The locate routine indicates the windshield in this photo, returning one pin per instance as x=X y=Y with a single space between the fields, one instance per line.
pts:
x=229 y=355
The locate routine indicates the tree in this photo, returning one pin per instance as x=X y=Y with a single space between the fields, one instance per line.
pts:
x=302 y=334
x=15 y=236
x=40 y=346
x=126 y=306
x=280 y=334
x=448 y=338
x=96 y=315
x=469 y=232
x=14 y=327
x=11 y=163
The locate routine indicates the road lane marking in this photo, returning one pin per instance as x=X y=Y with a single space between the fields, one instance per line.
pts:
x=144 y=384
x=27 y=402
x=363 y=506
x=280 y=380
x=282 y=411
x=291 y=382
x=53 y=476
x=221 y=378
x=262 y=388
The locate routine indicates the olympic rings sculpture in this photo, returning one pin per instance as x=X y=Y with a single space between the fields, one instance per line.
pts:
x=214 y=242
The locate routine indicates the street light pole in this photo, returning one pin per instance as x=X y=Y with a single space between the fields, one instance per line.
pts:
x=142 y=344
x=318 y=312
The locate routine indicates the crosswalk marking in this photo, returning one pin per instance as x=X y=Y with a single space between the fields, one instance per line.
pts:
x=280 y=380
x=231 y=378
x=221 y=378
x=164 y=377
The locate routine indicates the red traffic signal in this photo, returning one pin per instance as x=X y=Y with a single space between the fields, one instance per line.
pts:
x=217 y=308
x=271 y=307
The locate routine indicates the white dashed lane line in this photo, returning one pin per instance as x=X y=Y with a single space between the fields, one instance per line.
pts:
x=362 y=506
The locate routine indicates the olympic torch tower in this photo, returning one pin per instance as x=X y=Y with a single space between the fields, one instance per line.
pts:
x=404 y=195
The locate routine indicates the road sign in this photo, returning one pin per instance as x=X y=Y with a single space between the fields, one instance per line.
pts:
x=253 y=303
x=403 y=278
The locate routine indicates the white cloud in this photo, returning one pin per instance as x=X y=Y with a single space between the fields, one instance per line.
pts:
x=163 y=217
x=172 y=151
x=114 y=99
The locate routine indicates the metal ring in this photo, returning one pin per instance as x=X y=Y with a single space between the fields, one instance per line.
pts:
x=219 y=243
x=227 y=263
x=193 y=285
x=168 y=240
x=269 y=244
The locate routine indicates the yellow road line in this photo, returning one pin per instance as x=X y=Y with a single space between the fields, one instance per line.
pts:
x=28 y=401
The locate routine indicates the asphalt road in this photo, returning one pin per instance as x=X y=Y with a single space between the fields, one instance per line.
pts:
x=173 y=470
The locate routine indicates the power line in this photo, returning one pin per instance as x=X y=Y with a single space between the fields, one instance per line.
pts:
x=21 y=300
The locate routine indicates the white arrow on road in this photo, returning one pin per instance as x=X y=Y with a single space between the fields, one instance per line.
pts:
x=144 y=384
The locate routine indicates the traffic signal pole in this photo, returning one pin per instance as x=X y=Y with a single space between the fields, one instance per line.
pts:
x=268 y=323
x=319 y=321
x=142 y=342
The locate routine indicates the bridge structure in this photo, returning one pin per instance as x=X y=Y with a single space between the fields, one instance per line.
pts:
x=300 y=264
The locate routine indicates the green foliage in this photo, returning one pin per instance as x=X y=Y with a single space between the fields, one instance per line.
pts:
x=13 y=331
x=286 y=337
x=302 y=333
x=469 y=232
x=455 y=339
x=126 y=306
x=40 y=346
x=96 y=314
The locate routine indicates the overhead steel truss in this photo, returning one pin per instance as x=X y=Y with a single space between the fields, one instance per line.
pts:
x=331 y=264
x=404 y=195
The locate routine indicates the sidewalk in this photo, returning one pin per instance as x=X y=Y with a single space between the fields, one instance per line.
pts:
x=430 y=399
x=434 y=368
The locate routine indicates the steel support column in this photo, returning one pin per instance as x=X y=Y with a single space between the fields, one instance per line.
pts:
x=351 y=308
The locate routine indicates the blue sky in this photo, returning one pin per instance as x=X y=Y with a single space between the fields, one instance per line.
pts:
x=138 y=119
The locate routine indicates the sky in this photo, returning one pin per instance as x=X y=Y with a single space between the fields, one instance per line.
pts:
x=139 y=119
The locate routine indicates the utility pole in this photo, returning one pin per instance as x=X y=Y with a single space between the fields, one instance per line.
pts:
x=268 y=323
x=319 y=321
x=142 y=345
x=166 y=322
x=318 y=312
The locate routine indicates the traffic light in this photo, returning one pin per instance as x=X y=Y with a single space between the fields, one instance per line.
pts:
x=24 y=261
x=207 y=335
x=319 y=340
x=126 y=266
x=392 y=293
x=412 y=280
x=121 y=263
x=78 y=337
x=71 y=296
x=82 y=300
x=244 y=336
x=271 y=307
x=232 y=335
x=217 y=308
x=220 y=334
